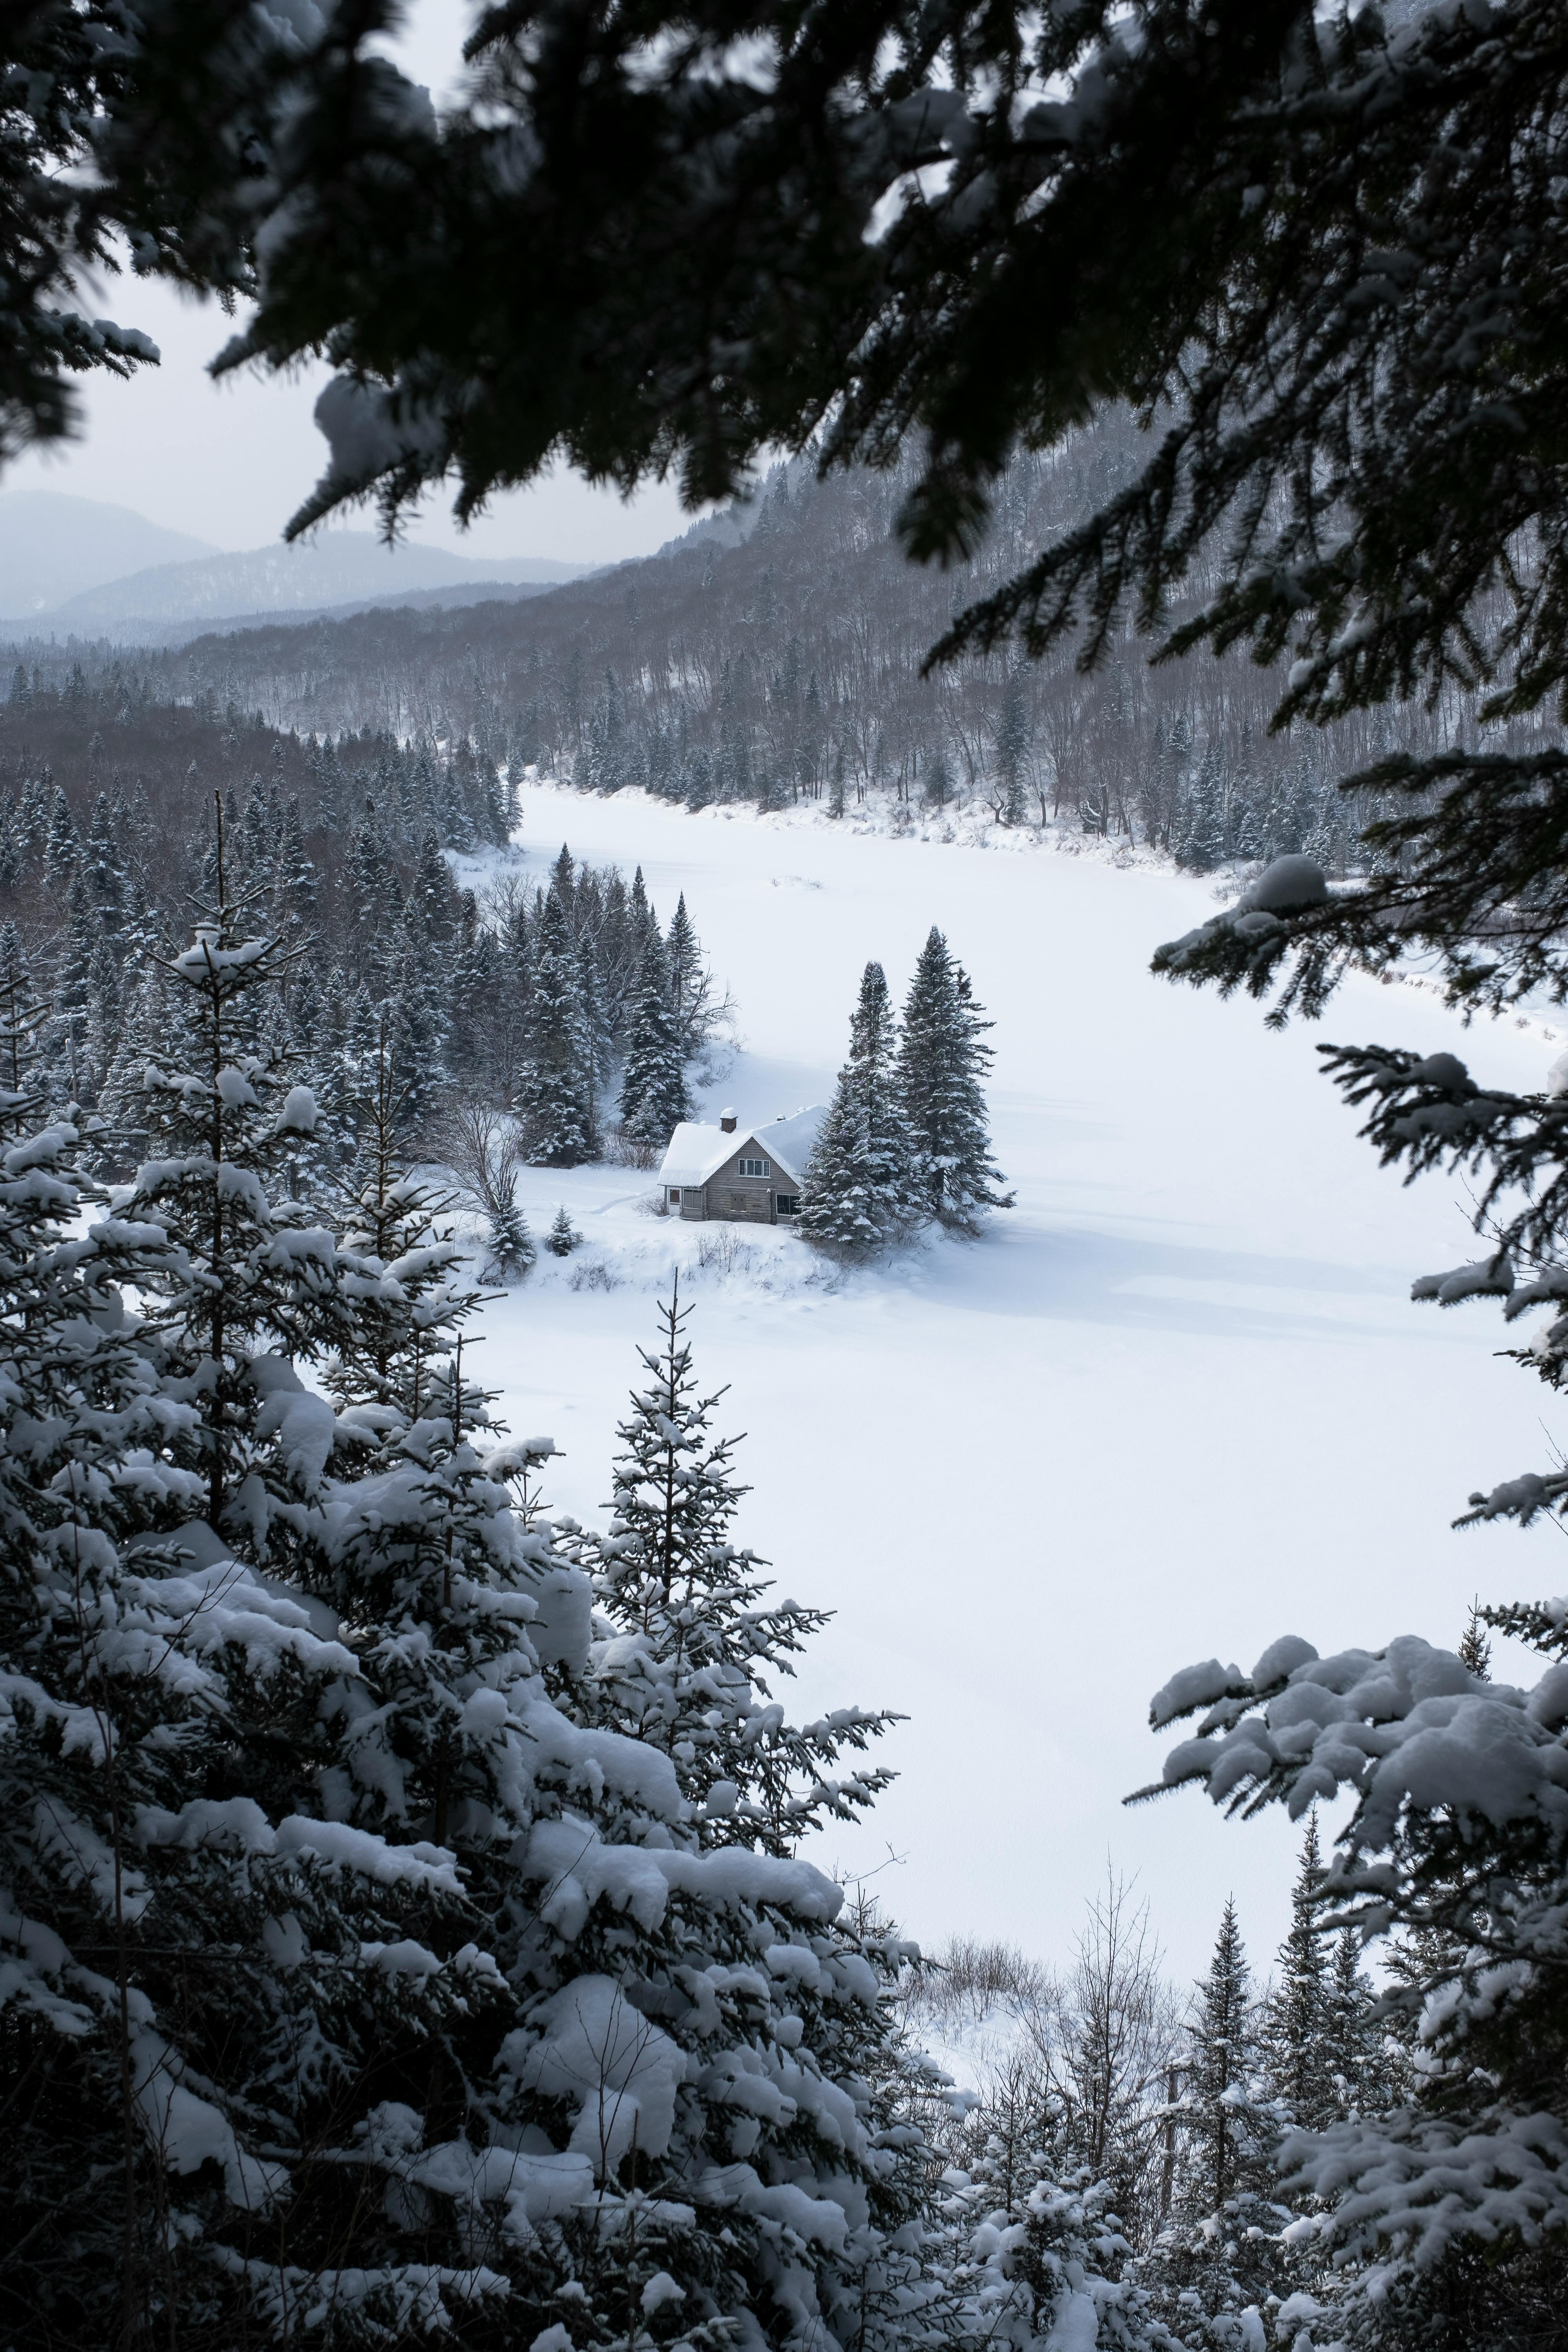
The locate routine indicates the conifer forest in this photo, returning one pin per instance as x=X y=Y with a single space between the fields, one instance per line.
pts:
x=541 y=1117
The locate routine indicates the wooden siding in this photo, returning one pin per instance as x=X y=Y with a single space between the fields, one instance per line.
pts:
x=734 y=1199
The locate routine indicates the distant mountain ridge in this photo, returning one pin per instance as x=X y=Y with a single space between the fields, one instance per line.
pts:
x=53 y=547
x=190 y=583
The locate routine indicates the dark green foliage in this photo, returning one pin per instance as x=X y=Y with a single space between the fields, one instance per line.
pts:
x=942 y=1063
x=654 y=1095
x=562 y=1237
x=688 y=1668
x=859 y=1192
x=1301 y=2026
x=1225 y=2135
x=509 y=1251
x=555 y=1099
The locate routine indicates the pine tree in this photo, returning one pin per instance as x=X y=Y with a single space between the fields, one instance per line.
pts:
x=62 y=848
x=244 y=1278
x=687 y=990
x=71 y=1009
x=1475 y=1651
x=105 y=1014
x=859 y=1192
x=1202 y=843
x=1299 y=2026
x=103 y=869
x=942 y=1063
x=510 y=1251
x=562 y=1237
x=22 y=1015
x=1219 y=2256
x=1222 y=2128
x=654 y=1098
x=1357 y=2041
x=685 y=1668
x=189 y=1947
x=1013 y=737
x=553 y=1095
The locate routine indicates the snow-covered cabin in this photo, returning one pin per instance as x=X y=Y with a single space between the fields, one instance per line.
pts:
x=752 y=1173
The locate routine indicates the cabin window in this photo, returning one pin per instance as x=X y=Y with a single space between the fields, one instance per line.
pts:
x=756 y=1168
x=674 y=1196
x=788 y=1203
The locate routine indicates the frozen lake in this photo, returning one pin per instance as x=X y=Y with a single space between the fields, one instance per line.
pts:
x=1176 y=1401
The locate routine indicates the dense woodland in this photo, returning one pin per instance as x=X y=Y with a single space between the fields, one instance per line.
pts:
x=789 y=667
x=570 y=1008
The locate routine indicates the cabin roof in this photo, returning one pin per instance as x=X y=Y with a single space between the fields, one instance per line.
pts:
x=699 y=1148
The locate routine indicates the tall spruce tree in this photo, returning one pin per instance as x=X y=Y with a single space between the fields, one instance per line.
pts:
x=190 y=1948
x=246 y=1278
x=942 y=1063
x=509 y=1252
x=860 y=1192
x=689 y=1643
x=654 y=1096
x=1298 y=2036
x=1222 y=2133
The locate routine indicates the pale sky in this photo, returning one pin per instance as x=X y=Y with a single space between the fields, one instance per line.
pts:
x=230 y=463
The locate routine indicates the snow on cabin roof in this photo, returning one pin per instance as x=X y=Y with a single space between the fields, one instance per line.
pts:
x=699 y=1150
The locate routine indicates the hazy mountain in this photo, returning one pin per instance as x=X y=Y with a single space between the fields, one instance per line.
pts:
x=52 y=547
x=167 y=635
x=340 y=568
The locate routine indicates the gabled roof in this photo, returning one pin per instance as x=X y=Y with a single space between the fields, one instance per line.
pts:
x=698 y=1150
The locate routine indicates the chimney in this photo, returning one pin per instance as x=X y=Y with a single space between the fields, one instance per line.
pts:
x=726 y=1122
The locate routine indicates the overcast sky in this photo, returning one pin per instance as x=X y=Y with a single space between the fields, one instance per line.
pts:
x=229 y=463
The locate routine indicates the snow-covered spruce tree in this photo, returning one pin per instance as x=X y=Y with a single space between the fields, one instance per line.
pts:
x=1450 y=2183
x=248 y=1282
x=941 y=1064
x=553 y=1099
x=1443 y=2208
x=688 y=1644
x=691 y=2035
x=562 y=1237
x=22 y=1013
x=704 y=2034
x=1026 y=2259
x=402 y=1275
x=654 y=1096
x=184 y=1946
x=1217 y=2258
x=860 y=1192
x=509 y=1252
x=1299 y=2033
x=689 y=987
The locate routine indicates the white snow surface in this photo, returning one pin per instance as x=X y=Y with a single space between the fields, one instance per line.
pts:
x=1175 y=1402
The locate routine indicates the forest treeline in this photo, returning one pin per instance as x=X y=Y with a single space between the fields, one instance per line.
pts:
x=530 y=1000
x=789 y=669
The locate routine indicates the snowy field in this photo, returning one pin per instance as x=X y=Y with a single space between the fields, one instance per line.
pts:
x=1175 y=1403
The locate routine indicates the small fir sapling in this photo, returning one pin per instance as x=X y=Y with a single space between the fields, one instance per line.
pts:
x=511 y=1252
x=562 y=1237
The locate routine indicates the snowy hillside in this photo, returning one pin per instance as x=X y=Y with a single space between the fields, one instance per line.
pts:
x=1175 y=1402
